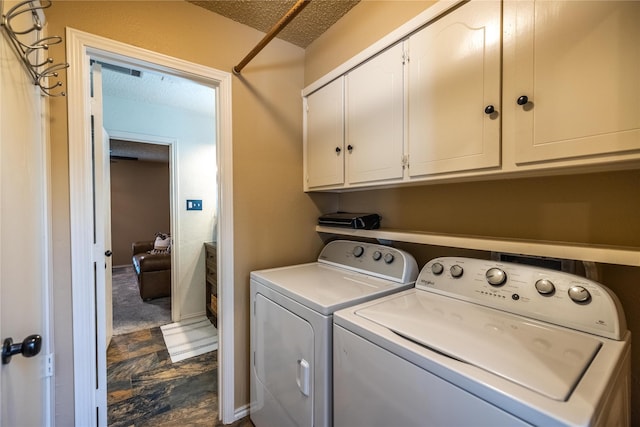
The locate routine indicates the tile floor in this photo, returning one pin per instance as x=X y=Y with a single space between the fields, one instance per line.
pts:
x=146 y=389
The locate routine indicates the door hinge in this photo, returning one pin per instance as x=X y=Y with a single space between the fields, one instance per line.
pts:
x=48 y=365
x=405 y=161
x=405 y=57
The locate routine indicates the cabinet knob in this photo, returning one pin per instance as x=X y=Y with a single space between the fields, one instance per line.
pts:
x=489 y=109
x=338 y=150
x=522 y=100
x=350 y=147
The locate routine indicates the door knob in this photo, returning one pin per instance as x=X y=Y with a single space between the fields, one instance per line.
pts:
x=522 y=100
x=29 y=347
x=489 y=109
x=108 y=253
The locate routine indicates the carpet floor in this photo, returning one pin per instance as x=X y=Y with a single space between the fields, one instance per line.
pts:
x=130 y=312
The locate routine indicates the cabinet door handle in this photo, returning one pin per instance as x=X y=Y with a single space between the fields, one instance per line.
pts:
x=522 y=100
x=489 y=109
x=338 y=150
x=350 y=147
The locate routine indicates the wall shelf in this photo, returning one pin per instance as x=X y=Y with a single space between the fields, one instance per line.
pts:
x=622 y=255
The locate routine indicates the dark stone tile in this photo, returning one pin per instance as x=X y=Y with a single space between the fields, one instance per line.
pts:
x=126 y=369
x=136 y=410
x=146 y=389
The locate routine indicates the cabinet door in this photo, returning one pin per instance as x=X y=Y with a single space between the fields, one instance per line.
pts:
x=578 y=62
x=324 y=136
x=454 y=75
x=374 y=104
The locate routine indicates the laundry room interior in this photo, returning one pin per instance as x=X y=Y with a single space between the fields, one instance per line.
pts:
x=539 y=156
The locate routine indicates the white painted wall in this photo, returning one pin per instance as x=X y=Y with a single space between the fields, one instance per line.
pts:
x=194 y=178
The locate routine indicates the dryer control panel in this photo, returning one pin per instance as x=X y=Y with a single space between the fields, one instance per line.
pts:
x=372 y=259
x=551 y=296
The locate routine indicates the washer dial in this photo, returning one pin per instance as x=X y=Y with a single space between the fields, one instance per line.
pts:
x=456 y=270
x=388 y=258
x=496 y=276
x=377 y=255
x=579 y=294
x=358 y=251
x=545 y=287
x=437 y=268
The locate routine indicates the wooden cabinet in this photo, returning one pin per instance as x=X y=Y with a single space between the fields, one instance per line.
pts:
x=374 y=118
x=454 y=92
x=483 y=88
x=211 y=282
x=578 y=64
x=324 y=136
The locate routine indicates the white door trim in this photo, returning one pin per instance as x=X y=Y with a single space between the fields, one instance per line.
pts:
x=80 y=46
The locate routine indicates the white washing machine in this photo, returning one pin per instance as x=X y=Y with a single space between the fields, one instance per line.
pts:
x=484 y=343
x=291 y=326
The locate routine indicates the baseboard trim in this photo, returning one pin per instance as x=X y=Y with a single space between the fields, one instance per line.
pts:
x=241 y=412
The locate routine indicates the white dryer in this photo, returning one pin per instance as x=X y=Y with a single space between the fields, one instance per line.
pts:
x=484 y=343
x=291 y=326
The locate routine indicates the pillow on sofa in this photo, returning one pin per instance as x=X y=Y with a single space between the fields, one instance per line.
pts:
x=162 y=244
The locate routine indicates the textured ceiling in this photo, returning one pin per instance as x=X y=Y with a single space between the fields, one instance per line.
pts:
x=310 y=23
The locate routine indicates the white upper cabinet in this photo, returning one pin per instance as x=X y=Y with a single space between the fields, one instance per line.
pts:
x=578 y=65
x=374 y=118
x=324 y=136
x=482 y=88
x=454 y=91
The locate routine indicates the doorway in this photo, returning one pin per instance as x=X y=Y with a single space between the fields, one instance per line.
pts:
x=140 y=182
x=88 y=376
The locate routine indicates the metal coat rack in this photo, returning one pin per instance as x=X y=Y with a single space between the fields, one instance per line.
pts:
x=40 y=67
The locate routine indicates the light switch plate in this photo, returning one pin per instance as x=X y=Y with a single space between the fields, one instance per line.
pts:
x=194 y=205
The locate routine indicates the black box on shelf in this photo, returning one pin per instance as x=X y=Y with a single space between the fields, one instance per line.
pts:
x=364 y=221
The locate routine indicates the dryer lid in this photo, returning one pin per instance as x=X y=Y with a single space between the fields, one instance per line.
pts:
x=325 y=288
x=547 y=359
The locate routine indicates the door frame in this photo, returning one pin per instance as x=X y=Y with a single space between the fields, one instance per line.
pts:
x=79 y=47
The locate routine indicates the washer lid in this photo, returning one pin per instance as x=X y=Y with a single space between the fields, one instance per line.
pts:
x=325 y=288
x=544 y=358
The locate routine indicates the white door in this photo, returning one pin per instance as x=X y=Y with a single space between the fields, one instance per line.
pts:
x=104 y=159
x=375 y=118
x=454 y=101
x=577 y=64
x=324 y=136
x=102 y=240
x=284 y=367
x=24 y=244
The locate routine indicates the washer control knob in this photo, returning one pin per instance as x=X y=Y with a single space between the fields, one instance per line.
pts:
x=358 y=251
x=437 y=268
x=388 y=258
x=545 y=287
x=579 y=294
x=377 y=255
x=456 y=270
x=496 y=276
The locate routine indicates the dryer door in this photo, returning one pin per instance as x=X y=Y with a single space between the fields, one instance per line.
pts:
x=284 y=366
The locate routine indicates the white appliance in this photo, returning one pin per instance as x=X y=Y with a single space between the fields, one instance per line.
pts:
x=484 y=343
x=291 y=326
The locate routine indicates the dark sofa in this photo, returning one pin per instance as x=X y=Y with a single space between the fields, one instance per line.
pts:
x=153 y=271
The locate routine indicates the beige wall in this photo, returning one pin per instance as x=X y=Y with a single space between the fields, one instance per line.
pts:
x=139 y=205
x=273 y=219
x=591 y=208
